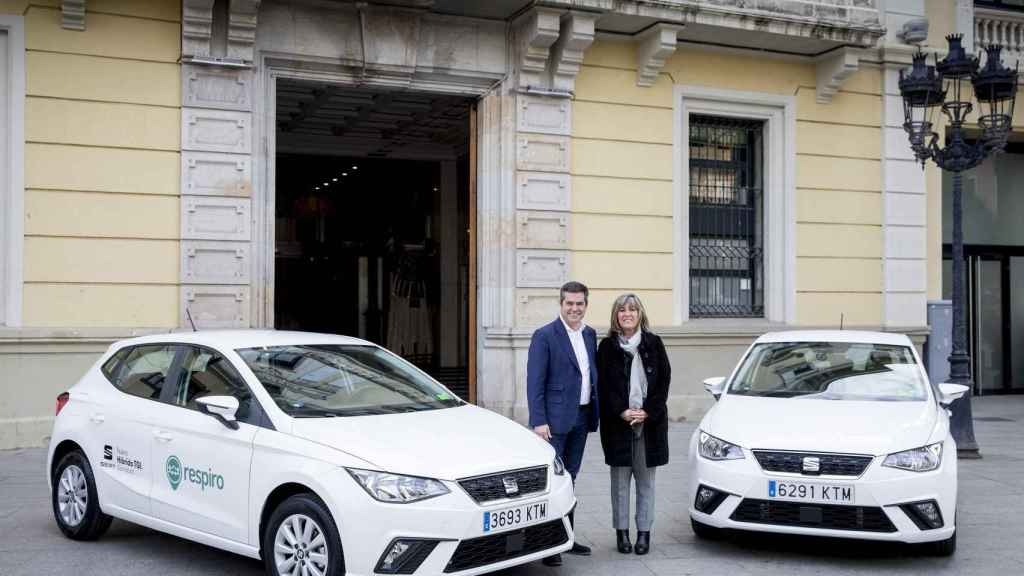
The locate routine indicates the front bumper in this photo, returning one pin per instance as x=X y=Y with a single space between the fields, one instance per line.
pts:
x=877 y=496
x=368 y=527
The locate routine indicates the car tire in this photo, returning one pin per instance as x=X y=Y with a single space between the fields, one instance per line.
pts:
x=705 y=532
x=76 y=506
x=304 y=524
x=942 y=548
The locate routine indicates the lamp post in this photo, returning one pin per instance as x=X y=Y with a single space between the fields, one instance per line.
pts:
x=942 y=86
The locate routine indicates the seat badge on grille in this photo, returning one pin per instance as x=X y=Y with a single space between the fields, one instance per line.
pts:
x=511 y=486
x=812 y=464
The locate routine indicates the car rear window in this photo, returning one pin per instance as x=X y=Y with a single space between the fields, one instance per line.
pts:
x=830 y=371
x=144 y=370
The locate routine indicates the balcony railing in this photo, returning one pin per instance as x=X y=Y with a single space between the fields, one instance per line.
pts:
x=1002 y=27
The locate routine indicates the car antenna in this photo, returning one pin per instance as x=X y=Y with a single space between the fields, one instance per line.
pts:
x=189 y=315
x=840 y=320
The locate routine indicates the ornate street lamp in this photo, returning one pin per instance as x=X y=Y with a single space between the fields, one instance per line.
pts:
x=924 y=89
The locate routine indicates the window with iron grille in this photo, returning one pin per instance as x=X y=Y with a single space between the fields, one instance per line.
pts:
x=726 y=217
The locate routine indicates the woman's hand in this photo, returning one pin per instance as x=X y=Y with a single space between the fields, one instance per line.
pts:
x=634 y=415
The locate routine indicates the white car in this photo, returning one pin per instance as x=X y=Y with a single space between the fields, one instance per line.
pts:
x=828 y=433
x=320 y=454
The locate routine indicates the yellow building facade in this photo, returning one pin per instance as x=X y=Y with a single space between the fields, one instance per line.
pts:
x=581 y=168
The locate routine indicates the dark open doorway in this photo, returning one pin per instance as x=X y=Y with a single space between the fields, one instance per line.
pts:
x=373 y=213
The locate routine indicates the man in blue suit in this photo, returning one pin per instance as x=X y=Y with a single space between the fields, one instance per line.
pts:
x=561 y=385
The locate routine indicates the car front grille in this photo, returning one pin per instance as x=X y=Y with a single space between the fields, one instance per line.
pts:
x=499 y=486
x=485 y=550
x=829 y=464
x=831 y=516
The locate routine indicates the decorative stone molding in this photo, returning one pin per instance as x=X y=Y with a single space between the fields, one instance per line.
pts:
x=215 y=174
x=544 y=115
x=216 y=87
x=535 y=306
x=548 y=230
x=73 y=14
x=536 y=31
x=215 y=306
x=210 y=262
x=196 y=28
x=577 y=34
x=833 y=69
x=210 y=218
x=654 y=47
x=543 y=191
x=242 y=19
x=216 y=130
x=542 y=153
x=542 y=268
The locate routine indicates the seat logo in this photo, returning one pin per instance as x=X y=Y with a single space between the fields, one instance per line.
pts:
x=812 y=464
x=511 y=486
x=173 y=469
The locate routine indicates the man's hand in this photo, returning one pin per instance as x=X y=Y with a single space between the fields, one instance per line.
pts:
x=543 y=431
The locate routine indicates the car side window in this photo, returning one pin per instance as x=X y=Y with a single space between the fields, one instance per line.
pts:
x=110 y=367
x=144 y=369
x=205 y=372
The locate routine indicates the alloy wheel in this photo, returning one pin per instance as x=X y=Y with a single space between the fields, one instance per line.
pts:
x=300 y=547
x=72 y=495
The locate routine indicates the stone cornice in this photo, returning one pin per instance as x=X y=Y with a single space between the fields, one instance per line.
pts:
x=653 y=48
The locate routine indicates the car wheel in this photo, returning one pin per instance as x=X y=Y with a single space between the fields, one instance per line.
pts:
x=302 y=539
x=942 y=548
x=705 y=532
x=76 y=506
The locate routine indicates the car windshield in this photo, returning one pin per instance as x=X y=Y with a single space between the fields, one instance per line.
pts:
x=830 y=371
x=343 y=380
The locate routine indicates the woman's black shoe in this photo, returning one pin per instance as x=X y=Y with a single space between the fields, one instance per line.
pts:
x=643 y=543
x=623 y=539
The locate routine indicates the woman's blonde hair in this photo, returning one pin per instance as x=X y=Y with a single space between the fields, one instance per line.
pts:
x=625 y=300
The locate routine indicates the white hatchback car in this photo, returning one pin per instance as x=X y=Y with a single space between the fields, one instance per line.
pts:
x=828 y=433
x=324 y=455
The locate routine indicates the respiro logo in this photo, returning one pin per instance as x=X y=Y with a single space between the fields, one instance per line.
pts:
x=173 y=468
x=178 y=472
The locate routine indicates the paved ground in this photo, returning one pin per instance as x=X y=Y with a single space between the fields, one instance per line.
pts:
x=991 y=526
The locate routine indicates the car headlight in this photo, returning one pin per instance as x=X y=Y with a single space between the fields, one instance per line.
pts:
x=717 y=449
x=558 y=466
x=923 y=459
x=395 y=488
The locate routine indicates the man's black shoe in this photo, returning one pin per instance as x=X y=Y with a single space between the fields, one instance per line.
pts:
x=579 y=549
x=555 y=560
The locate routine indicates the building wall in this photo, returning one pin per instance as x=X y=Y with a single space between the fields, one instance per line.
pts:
x=102 y=171
x=102 y=131
x=622 y=170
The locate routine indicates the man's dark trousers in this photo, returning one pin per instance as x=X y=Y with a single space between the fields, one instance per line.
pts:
x=569 y=446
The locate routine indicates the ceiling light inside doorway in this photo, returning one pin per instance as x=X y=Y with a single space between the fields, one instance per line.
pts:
x=327 y=183
x=334 y=179
x=344 y=173
x=355 y=167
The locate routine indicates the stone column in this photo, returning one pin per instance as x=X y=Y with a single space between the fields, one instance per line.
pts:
x=216 y=166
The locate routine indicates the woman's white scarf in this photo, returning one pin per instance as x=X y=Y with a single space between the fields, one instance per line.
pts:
x=637 y=375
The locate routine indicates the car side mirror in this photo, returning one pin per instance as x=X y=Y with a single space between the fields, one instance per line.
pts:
x=949 y=392
x=715 y=386
x=222 y=408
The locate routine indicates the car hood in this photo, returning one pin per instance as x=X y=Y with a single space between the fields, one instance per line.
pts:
x=446 y=444
x=846 y=426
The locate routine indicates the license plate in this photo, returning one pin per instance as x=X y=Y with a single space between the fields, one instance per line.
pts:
x=513 y=516
x=810 y=492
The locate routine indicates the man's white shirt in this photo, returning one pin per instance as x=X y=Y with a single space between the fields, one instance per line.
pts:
x=579 y=347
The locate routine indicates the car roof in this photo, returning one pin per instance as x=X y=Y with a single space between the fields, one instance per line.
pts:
x=238 y=339
x=851 y=336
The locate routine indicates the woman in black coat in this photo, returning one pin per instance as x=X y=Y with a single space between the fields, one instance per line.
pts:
x=634 y=419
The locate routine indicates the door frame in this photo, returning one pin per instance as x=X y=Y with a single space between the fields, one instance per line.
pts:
x=973 y=255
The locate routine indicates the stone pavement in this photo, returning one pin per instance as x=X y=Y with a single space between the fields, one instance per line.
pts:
x=991 y=526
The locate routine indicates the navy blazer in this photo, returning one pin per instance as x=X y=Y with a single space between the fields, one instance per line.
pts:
x=553 y=378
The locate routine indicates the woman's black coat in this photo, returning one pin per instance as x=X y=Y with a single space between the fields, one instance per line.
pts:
x=613 y=367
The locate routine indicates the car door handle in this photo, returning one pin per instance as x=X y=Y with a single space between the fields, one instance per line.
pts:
x=162 y=436
x=98 y=418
